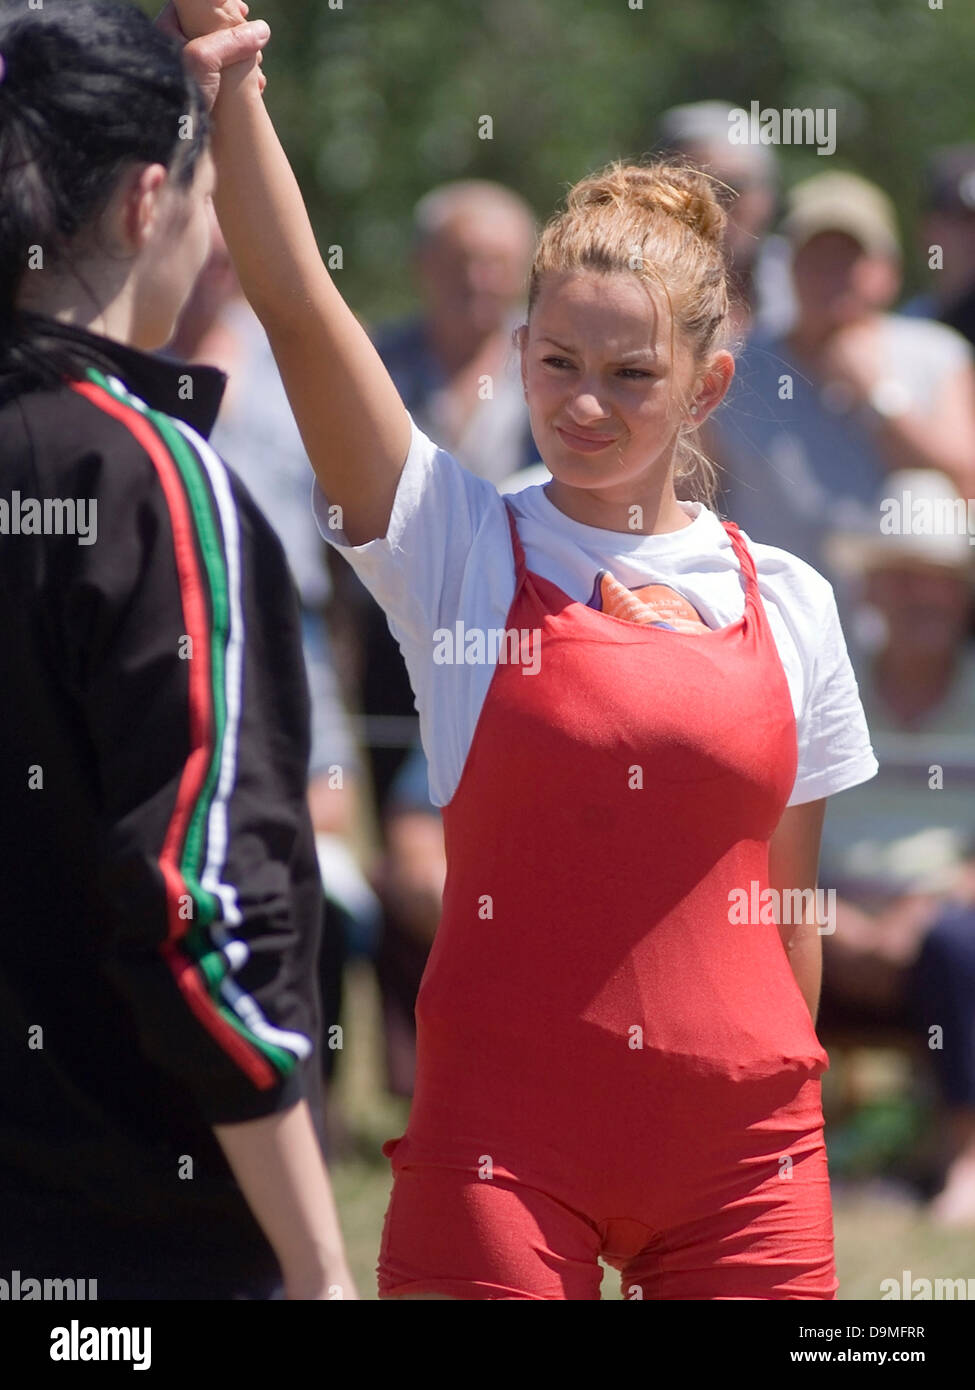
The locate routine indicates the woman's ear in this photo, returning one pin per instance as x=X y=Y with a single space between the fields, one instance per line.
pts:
x=713 y=386
x=520 y=337
x=139 y=211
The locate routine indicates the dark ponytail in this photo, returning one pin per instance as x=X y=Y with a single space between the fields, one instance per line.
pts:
x=86 y=87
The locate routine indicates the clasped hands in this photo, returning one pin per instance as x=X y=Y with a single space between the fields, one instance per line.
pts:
x=217 y=35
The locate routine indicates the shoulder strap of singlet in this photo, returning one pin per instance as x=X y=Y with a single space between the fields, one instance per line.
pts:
x=516 y=545
x=745 y=560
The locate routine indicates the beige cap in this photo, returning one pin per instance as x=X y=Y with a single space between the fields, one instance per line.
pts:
x=842 y=203
x=920 y=519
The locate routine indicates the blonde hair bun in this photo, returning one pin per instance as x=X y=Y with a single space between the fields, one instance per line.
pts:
x=676 y=190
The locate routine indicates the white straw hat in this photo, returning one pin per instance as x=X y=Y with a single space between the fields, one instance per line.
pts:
x=920 y=519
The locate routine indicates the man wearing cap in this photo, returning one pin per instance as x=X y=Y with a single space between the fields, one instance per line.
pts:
x=948 y=233
x=900 y=851
x=822 y=414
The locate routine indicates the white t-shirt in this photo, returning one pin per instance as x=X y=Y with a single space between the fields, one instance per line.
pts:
x=447 y=557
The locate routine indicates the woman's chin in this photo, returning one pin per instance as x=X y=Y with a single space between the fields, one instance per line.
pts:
x=565 y=463
x=577 y=477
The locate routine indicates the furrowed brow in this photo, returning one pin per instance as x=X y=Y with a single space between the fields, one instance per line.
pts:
x=638 y=354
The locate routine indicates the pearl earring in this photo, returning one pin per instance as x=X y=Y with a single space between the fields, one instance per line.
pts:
x=693 y=409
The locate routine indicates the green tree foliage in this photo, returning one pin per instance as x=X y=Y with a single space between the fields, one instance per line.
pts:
x=377 y=101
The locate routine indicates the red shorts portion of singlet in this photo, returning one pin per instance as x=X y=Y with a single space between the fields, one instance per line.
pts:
x=759 y=1231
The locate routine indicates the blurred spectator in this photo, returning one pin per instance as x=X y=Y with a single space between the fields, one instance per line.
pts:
x=257 y=435
x=818 y=418
x=900 y=850
x=455 y=365
x=453 y=362
x=948 y=229
x=759 y=263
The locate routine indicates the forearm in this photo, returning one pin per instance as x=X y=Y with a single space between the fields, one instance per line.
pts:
x=353 y=423
x=804 y=948
x=259 y=202
x=278 y=1164
x=794 y=864
x=261 y=210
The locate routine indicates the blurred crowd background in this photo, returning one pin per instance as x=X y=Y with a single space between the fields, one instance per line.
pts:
x=431 y=140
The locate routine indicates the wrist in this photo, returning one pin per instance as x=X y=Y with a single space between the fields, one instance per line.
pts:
x=239 y=85
x=337 y=1287
x=315 y=1251
x=314 y=1268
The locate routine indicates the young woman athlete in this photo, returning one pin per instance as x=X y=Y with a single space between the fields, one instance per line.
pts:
x=617 y=1055
x=159 y=1023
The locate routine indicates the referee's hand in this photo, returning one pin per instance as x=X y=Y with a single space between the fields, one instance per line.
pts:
x=206 y=57
x=199 y=17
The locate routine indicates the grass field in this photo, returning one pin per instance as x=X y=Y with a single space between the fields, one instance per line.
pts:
x=879 y=1231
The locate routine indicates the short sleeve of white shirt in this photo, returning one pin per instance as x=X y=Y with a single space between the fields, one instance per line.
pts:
x=831 y=727
x=416 y=571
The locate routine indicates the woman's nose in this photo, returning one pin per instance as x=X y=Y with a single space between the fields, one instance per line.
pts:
x=587 y=405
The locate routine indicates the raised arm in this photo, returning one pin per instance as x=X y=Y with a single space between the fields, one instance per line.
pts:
x=353 y=423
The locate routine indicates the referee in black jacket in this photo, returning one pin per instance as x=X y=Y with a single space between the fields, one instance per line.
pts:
x=159 y=891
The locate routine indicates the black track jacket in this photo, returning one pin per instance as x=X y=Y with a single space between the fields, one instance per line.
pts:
x=160 y=902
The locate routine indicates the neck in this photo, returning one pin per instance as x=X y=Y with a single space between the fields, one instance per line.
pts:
x=190 y=333
x=110 y=313
x=656 y=510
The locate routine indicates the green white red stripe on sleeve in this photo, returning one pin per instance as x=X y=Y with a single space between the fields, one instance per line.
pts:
x=201 y=950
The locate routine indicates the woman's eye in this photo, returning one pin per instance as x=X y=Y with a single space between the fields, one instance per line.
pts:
x=628 y=373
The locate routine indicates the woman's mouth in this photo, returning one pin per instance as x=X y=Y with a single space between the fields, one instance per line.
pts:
x=584 y=443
